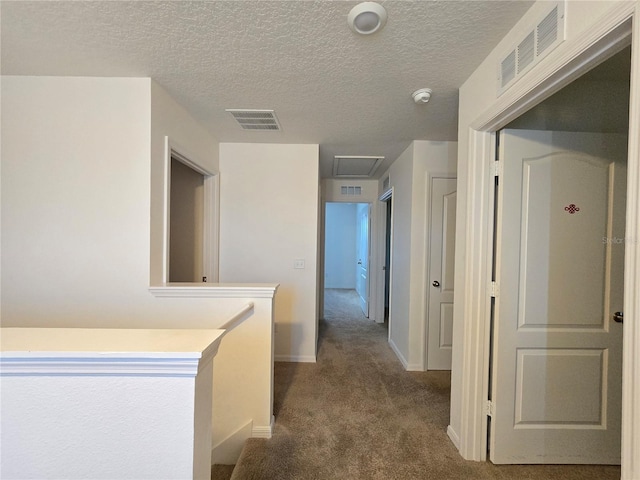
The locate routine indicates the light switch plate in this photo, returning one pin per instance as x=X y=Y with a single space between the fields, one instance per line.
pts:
x=298 y=263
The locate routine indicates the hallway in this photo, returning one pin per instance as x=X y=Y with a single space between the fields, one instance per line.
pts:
x=356 y=414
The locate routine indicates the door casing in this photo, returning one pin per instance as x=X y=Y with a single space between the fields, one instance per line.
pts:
x=611 y=33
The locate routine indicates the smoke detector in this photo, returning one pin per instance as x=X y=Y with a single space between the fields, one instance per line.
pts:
x=422 y=96
x=367 y=18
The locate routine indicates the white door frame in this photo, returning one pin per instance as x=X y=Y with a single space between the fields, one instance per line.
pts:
x=380 y=273
x=211 y=213
x=607 y=36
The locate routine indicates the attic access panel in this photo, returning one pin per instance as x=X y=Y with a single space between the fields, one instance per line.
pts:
x=355 y=166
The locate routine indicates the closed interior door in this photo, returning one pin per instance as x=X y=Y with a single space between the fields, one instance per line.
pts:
x=556 y=385
x=442 y=228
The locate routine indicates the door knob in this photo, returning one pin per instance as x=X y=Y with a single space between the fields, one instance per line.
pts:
x=436 y=283
x=618 y=317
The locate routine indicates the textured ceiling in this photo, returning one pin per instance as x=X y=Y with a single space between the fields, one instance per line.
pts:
x=351 y=94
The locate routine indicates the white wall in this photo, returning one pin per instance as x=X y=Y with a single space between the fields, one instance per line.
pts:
x=82 y=199
x=340 y=245
x=477 y=95
x=75 y=199
x=268 y=219
x=408 y=177
x=78 y=212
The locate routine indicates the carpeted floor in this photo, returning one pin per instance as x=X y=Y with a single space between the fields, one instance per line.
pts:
x=357 y=414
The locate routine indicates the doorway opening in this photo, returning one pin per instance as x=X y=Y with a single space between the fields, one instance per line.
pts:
x=191 y=212
x=387 y=260
x=347 y=248
x=572 y=145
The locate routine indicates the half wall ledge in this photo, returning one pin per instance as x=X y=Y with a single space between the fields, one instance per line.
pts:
x=215 y=290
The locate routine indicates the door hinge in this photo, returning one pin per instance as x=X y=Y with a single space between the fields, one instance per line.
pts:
x=489 y=408
x=496 y=168
x=494 y=290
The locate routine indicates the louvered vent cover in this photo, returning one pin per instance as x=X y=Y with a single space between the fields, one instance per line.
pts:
x=547 y=31
x=255 y=119
x=526 y=52
x=351 y=190
x=535 y=45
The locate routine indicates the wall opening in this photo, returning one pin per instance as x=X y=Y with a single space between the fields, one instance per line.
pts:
x=191 y=219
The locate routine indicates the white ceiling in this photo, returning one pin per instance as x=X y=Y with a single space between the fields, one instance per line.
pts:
x=349 y=93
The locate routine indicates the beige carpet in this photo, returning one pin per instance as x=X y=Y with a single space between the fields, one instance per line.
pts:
x=356 y=414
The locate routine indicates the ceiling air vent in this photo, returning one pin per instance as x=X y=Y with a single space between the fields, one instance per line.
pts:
x=351 y=190
x=255 y=119
x=355 y=166
x=540 y=40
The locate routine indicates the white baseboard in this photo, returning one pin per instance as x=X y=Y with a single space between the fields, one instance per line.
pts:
x=295 y=358
x=396 y=350
x=261 y=431
x=227 y=451
x=454 y=437
x=415 y=367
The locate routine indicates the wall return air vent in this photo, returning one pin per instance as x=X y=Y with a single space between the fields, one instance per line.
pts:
x=255 y=119
x=351 y=190
x=538 y=41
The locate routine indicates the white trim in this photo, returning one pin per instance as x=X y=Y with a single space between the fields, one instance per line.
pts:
x=105 y=365
x=631 y=345
x=295 y=358
x=228 y=450
x=396 y=350
x=263 y=431
x=568 y=62
x=211 y=210
x=453 y=436
x=215 y=290
x=386 y=195
x=211 y=249
x=381 y=231
x=380 y=273
x=238 y=318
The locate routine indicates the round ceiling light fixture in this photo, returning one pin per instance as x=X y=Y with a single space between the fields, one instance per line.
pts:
x=422 y=96
x=367 y=18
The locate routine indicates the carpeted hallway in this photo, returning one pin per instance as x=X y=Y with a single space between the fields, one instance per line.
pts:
x=357 y=414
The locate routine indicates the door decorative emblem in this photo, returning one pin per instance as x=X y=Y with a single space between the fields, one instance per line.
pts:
x=572 y=208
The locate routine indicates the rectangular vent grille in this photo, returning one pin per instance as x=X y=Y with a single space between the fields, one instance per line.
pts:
x=351 y=190
x=385 y=184
x=255 y=119
x=538 y=42
x=547 y=31
x=526 y=52
x=508 y=68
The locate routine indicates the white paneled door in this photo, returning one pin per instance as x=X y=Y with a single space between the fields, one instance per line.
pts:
x=442 y=232
x=557 y=351
x=363 y=247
